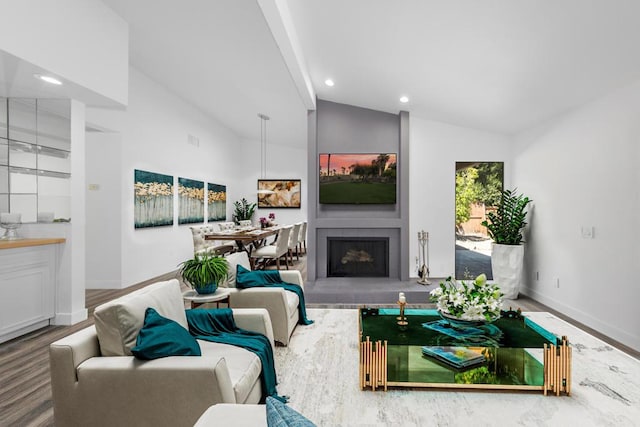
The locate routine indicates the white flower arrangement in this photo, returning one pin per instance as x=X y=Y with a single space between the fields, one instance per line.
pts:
x=478 y=301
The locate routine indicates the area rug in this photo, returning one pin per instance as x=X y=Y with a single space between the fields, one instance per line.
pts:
x=319 y=372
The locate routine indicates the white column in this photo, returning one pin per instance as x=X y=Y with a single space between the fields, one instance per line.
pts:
x=70 y=304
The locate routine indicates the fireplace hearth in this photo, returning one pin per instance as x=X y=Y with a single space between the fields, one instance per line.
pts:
x=358 y=257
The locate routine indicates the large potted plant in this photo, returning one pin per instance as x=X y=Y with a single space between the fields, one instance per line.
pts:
x=243 y=210
x=505 y=227
x=204 y=272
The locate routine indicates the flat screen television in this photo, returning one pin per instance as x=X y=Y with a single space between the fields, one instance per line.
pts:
x=358 y=178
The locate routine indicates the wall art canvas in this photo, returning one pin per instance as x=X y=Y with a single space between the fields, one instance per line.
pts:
x=286 y=193
x=190 y=201
x=153 y=199
x=217 y=202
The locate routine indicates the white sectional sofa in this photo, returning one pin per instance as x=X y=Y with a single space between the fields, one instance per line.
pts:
x=97 y=382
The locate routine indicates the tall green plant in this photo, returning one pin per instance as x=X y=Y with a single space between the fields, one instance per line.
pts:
x=506 y=224
x=243 y=210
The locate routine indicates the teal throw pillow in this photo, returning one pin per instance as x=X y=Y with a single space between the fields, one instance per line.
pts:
x=281 y=415
x=162 y=337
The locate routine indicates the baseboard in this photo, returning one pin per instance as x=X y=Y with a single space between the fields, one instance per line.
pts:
x=624 y=337
x=70 y=318
x=23 y=331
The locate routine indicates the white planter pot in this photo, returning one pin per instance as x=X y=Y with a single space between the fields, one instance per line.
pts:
x=506 y=263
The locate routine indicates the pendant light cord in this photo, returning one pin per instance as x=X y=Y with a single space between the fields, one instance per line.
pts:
x=263 y=145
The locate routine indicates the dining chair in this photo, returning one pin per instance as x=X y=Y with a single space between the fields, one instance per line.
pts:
x=302 y=240
x=279 y=249
x=294 y=239
x=223 y=226
x=202 y=246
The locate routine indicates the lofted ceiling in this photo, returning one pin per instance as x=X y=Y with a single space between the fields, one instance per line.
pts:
x=221 y=57
x=497 y=65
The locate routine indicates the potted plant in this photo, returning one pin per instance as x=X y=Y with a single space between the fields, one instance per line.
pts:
x=243 y=210
x=505 y=228
x=204 y=272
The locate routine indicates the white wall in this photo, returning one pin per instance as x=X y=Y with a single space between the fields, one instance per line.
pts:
x=82 y=41
x=104 y=204
x=154 y=131
x=283 y=162
x=581 y=170
x=435 y=148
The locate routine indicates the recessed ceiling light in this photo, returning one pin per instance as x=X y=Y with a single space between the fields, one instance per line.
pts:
x=329 y=82
x=404 y=99
x=48 y=79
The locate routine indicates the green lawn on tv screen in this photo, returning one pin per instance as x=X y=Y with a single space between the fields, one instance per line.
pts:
x=357 y=192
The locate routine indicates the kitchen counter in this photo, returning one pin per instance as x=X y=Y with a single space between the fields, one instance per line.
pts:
x=23 y=243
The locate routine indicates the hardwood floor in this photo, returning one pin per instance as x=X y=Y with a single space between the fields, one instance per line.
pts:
x=25 y=389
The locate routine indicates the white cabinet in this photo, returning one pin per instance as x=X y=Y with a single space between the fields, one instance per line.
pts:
x=28 y=283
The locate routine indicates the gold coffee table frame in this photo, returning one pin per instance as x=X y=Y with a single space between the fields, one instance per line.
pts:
x=373 y=369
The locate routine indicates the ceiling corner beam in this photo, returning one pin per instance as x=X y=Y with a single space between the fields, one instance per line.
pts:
x=276 y=13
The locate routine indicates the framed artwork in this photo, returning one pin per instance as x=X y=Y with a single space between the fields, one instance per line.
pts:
x=216 y=202
x=190 y=201
x=285 y=193
x=153 y=199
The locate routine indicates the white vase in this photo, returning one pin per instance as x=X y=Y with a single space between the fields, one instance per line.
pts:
x=506 y=263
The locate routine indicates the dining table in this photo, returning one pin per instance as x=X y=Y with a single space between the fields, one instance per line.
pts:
x=245 y=238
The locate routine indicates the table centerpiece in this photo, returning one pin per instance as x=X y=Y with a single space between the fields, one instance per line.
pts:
x=463 y=305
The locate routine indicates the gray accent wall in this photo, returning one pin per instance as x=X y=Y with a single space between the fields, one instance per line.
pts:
x=340 y=128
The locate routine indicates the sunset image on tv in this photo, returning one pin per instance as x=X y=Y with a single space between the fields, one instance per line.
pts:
x=358 y=178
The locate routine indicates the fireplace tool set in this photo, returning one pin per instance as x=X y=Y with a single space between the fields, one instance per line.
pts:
x=423 y=262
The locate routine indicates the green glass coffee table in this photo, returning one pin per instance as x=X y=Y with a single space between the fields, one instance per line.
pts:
x=512 y=353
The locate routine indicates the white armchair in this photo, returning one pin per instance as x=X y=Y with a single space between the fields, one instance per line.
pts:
x=282 y=305
x=97 y=382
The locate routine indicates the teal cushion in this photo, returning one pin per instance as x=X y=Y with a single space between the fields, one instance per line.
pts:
x=281 y=415
x=162 y=337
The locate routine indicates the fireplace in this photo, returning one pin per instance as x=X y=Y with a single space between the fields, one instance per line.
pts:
x=357 y=257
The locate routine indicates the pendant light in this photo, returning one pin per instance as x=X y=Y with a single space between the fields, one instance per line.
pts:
x=263 y=151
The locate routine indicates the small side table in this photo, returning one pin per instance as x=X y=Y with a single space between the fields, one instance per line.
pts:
x=220 y=295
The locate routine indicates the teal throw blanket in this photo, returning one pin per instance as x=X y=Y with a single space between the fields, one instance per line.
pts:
x=271 y=279
x=217 y=325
